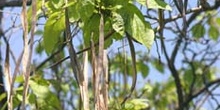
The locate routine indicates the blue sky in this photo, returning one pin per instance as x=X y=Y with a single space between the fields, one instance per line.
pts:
x=16 y=44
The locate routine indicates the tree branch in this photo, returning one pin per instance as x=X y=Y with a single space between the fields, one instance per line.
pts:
x=13 y=3
x=201 y=91
x=195 y=12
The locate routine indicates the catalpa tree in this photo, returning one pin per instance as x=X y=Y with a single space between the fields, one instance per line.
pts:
x=109 y=54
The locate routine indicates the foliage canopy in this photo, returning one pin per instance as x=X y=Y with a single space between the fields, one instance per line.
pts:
x=142 y=38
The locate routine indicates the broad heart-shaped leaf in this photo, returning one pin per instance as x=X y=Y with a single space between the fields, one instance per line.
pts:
x=41 y=90
x=136 y=26
x=85 y=9
x=155 y=4
x=198 y=30
x=118 y=23
x=81 y=10
x=52 y=31
x=74 y=14
x=91 y=30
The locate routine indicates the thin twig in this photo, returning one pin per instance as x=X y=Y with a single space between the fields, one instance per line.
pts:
x=79 y=52
x=9 y=12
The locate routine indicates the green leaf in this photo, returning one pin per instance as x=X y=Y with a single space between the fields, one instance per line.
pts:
x=137 y=104
x=65 y=87
x=19 y=79
x=57 y=3
x=118 y=64
x=3 y=96
x=140 y=32
x=32 y=99
x=158 y=66
x=143 y=69
x=74 y=14
x=44 y=96
x=155 y=4
x=195 y=74
x=213 y=33
x=85 y=9
x=188 y=78
x=91 y=29
x=39 y=48
x=4 y=106
x=211 y=74
x=198 y=30
x=40 y=90
x=113 y=5
x=107 y=29
x=148 y=37
x=137 y=27
x=81 y=10
x=29 y=13
x=118 y=23
x=52 y=31
x=148 y=88
x=53 y=101
x=218 y=21
x=49 y=8
x=58 y=85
